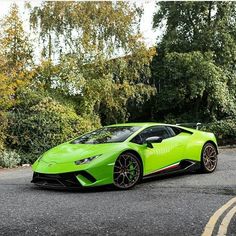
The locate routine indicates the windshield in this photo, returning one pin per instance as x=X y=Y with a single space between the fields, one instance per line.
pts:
x=107 y=135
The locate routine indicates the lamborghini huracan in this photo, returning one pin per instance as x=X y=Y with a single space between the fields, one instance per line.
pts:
x=124 y=154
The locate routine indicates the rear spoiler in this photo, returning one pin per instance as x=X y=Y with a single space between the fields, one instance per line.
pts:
x=190 y=125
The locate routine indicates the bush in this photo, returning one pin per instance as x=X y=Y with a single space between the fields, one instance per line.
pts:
x=3 y=125
x=224 y=130
x=9 y=158
x=43 y=125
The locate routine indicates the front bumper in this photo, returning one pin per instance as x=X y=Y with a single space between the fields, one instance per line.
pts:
x=68 y=176
x=62 y=181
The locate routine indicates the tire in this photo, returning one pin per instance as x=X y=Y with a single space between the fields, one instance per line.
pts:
x=209 y=158
x=127 y=171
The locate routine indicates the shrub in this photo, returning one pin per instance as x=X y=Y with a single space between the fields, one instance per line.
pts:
x=224 y=130
x=43 y=125
x=3 y=125
x=9 y=158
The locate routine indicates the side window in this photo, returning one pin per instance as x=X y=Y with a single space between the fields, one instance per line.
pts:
x=137 y=139
x=173 y=130
x=160 y=131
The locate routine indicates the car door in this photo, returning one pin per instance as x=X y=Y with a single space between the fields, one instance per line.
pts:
x=163 y=154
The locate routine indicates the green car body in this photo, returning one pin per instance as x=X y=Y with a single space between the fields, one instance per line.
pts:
x=184 y=147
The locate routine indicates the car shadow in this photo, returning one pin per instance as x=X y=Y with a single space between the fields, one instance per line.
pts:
x=105 y=188
x=111 y=188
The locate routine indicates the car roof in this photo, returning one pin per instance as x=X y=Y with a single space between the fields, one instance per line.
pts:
x=149 y=124
x=141 y=124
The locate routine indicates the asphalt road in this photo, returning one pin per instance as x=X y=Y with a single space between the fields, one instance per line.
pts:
x=179 y=205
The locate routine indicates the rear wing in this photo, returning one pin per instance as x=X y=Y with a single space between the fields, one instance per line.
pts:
x=190 y=125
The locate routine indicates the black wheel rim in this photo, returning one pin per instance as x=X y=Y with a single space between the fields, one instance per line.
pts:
x=126 y=171
x=210 y=158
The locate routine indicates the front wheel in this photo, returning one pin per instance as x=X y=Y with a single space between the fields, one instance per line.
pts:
x=209 y=158
x=127 y=171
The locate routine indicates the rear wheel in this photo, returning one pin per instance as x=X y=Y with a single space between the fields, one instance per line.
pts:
x=127 y=171
x=209 y=158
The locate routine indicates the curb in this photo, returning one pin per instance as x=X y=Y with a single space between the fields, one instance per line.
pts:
x=3 y=169
x=227 y=146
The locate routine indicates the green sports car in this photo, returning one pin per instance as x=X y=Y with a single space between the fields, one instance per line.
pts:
x=124 y=154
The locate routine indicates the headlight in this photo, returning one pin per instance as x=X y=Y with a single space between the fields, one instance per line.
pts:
x=86 y=160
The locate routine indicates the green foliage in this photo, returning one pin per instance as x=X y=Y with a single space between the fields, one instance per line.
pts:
x=103 y=63
x=38 y=124
x=6 y=91
x=199 y=26
x=15 y=59
x=191 y=81
x=15 y=46
x=89 y=30
x=9 y=158
x=225 y=130
x=6 y=102
x=3 y=126
x=195 y=68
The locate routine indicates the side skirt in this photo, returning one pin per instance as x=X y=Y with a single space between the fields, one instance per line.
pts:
x=180 y=167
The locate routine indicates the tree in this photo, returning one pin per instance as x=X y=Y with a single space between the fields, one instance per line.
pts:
x=15 y=53
x=15 y=46
x=102 y=60
x=195 y=68
x=15 y=60
x=6 y=101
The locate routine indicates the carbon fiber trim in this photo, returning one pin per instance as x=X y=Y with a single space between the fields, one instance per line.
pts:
x=183 y=166
x=60 y=181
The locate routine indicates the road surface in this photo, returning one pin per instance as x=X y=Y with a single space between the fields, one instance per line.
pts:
x=177 y=205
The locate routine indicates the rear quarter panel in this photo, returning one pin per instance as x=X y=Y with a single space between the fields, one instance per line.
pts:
x=196 y=142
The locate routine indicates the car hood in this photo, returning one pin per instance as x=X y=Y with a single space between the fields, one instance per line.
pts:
x=68 y=152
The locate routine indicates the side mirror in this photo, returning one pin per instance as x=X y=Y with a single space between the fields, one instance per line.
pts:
x=154 y=139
